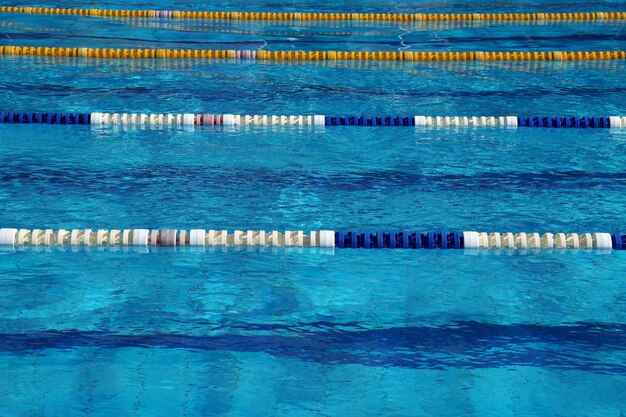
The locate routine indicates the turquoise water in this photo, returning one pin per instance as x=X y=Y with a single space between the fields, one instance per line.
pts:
x=70 y=31
x=357 y=333
x=298 y=332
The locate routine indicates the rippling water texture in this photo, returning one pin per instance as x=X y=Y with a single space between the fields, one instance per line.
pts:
x=165 y=332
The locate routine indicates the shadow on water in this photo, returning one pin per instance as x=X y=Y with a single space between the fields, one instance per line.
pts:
x=581 y=346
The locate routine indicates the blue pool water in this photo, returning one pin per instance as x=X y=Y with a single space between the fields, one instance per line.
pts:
x=68 y=31
x=164 y=332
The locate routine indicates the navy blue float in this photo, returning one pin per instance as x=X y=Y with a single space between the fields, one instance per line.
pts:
x=400 y=240
x=582 y=122
x=45 y=118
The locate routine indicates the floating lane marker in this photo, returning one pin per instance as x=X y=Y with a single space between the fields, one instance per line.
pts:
x=322 y=239
x=269 y=15
x=190 y=120
x=247 y=55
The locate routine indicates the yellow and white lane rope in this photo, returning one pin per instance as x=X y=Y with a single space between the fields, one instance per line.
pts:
x=262 y=55
x=534 y=67
x=295 y=16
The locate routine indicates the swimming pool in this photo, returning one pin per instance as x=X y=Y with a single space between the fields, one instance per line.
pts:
x=296 y=331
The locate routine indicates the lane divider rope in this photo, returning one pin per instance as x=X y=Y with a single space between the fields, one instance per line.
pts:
x=323 y=238
x=533 y=67
x=251 y=27
x=402 y=17
x=191 y=120
x=247 y=55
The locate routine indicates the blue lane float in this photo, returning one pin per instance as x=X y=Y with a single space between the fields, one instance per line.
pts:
x=321 y=238
x=45 y=118
x=204 y=119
